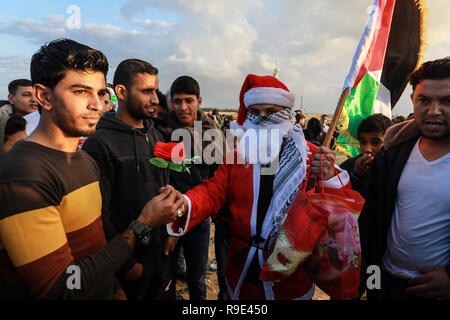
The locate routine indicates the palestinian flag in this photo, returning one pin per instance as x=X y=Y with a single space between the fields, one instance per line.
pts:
x=388 y=51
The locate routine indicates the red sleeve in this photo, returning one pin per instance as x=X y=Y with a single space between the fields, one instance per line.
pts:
x=208 y=197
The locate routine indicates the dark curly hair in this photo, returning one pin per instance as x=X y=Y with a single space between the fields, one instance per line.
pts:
x=52 y=61
x=375 y=123
x=433 y=70
x=15 y=124
x=162 y=99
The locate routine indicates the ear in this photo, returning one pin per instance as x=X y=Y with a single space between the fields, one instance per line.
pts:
x=121 y=92
x=199 y=101
x=11 y=98
x=43 y=96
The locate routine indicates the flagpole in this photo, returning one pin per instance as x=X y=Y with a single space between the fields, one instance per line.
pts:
x=337 y=114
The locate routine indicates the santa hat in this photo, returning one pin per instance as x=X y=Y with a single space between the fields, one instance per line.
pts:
x=263 y=90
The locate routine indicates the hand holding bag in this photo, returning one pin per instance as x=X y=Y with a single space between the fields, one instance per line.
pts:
x=334 y=265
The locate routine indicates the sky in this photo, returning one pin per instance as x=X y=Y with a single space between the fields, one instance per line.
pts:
x=217 y=42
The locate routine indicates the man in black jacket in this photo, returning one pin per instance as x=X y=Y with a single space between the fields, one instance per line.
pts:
x=122 y=146
x=405 y=222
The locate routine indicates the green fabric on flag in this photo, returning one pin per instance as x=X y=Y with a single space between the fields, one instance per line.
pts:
x=358 y=106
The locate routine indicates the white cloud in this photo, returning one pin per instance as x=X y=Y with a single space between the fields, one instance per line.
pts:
x=220 y=42
x=12 y=67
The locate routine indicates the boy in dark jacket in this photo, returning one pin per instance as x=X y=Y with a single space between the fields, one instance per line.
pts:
x=193 y=124
x=371 y=136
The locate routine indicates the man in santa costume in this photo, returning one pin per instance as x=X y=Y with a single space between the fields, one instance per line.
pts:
x=259 y=182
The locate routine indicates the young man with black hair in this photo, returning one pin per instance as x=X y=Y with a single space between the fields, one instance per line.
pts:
x=186 y=99
x=21 y=98
x=122 y=147
x=12 y=130
x=52 y=244
x=371 y=137
x=405 y=223
x=300 y=119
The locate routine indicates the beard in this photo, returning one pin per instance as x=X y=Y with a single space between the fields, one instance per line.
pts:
x=437 y=135
x=135 y=111
x=70 y=129
x=261 y=144
x=73 y=131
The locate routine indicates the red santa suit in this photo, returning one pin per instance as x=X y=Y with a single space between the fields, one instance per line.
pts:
x=238 y=186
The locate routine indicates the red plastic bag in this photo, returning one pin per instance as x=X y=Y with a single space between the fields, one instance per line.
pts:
x=295 y=241
x=334 y=265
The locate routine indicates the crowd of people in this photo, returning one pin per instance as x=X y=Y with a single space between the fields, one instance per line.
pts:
x=78 y=190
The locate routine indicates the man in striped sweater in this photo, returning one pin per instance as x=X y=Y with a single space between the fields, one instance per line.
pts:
x=52 y=244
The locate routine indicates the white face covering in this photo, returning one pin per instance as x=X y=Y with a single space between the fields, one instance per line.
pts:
x=263 y=137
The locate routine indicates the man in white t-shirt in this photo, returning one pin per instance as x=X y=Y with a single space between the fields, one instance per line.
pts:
x=323 y=123
x=32 y=121
x=405 y=224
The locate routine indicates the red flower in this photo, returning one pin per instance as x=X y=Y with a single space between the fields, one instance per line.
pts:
x=172 y=151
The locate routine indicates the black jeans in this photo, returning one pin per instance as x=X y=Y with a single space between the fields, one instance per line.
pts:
x=150 y=285
x=196 y=247
x=392 y=288
x=221 y=239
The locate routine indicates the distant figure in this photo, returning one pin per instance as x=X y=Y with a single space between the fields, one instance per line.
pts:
x=21 y=98
x=300 y=119
x=313 y=132
x=217 y=118
x=161 y=108
x=12 y=130
x=108 y=104
x=398 y=119
x=323 y=122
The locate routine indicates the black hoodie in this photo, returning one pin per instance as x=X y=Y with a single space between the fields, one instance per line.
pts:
x=127 y=179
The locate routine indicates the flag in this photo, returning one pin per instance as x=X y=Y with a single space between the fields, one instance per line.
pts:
x=388 y=51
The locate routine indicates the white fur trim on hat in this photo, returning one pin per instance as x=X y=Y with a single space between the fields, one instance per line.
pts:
x=269 y=95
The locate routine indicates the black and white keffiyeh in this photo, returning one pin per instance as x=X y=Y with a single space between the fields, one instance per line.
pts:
x=291 y=168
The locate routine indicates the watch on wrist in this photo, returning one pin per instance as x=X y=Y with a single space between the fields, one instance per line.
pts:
x=142 y=232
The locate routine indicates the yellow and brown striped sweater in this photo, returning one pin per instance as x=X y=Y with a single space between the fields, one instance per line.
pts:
x=50 y=218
